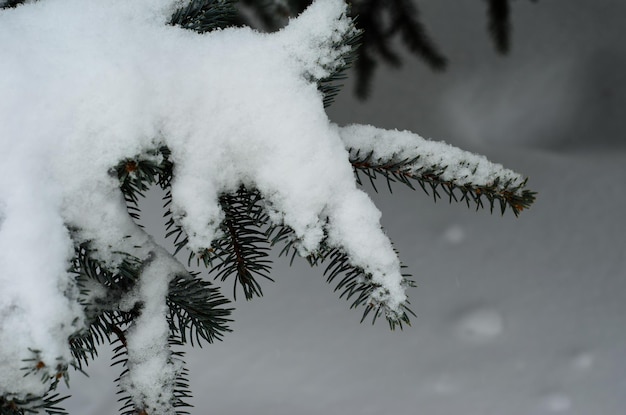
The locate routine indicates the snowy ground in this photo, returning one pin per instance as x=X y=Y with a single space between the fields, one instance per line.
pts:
x=515 y=316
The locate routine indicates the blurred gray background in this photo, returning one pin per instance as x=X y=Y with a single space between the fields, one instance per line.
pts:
x=518 y=316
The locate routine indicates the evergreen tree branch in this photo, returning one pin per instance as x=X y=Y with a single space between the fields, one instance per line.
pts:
x=196 y=310
x=136 y=175
x=173 y=229
x=51 y=376
x=499 y=25
x=358 y=285
x=353 y=282
x=35 y=366
x=431 y=182
x=205 y=15
x=181 y=390
x=271 y=15
x=243 y=249
x=330 y=86
x=120 y=357
x=101 y=292
x=402 y=157
x=9 y=4
x=405 y=20
x=33 y=404
x=379 y=31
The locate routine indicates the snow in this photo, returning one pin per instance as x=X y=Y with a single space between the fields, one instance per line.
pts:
x=151 y=370
x=89 y=83
x=479 y=324
x=555 y=275
x=460 y=166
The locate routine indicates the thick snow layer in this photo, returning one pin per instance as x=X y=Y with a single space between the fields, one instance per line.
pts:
x=548 y=288
x=88 y=83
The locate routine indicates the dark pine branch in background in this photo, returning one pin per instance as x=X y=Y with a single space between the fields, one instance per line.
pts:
x=499 y=25
x=12 y=3
x=382 y=22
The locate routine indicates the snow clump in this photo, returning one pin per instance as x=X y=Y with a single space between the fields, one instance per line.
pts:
x=88 y=83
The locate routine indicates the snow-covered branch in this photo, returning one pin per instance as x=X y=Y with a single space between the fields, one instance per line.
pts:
x=97 y=93
x=403 y=156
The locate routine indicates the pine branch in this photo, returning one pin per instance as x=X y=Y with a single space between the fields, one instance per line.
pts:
x=34 y=366
x=502 y=192
x=181 y=390
x=136 y=176
x=379 y=33
x=405 y=20
x=330 y=86
x=107 y=324
x=120 y=357
x=83 y=345
x=33 y=404
x=272 y=14
x=100 y=294
x=85 y=268
x=405 y=158
x=205 y=15
x=499 y=25
x=365 y=67
x=357 y=284
x=196 y=310
x=9 y=4
x=283 y=234
x=173 y=228
x=243 y=250
x=195 y=305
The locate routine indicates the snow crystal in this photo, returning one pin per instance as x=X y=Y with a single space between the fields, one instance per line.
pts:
x=88 y=83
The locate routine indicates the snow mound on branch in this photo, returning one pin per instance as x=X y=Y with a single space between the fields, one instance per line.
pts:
x=88 y=83
x=151 y=369
x=458 y=166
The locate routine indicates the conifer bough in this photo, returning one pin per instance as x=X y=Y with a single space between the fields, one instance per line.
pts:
x=102 y=99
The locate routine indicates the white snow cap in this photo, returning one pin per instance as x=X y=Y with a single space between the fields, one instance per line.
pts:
x=458 y=166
